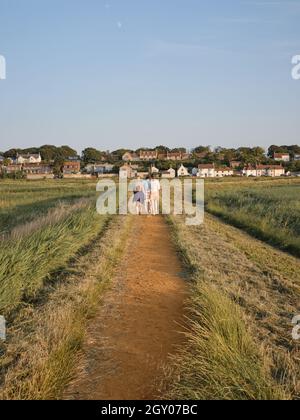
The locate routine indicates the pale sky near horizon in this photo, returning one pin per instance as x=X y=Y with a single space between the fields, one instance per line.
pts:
x=136 y=73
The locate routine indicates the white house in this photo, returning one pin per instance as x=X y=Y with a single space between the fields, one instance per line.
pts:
x=264 y=170
x=206 y=170
x=99 y=168
x=126 y=171
x=221 y=172
x=270 y=170
x=170 y=173
x=282 y=157
x=29 y=158
x=182 y=171
x=297 y=157
x=275 y=170
x=249 y=171
x=154 y=170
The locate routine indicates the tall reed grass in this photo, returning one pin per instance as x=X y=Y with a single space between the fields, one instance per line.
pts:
x=271 y=213
x=22 y=202
x=25 y=262
x=222 y=361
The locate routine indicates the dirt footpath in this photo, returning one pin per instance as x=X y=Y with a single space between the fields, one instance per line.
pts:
x=140 y=324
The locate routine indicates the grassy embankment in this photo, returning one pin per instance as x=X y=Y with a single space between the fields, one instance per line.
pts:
x=23 y=201
x=269 y=211
x=245 y=294
x=53 y=271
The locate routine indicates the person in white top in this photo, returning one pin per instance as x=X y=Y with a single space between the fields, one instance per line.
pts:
x=155 y=189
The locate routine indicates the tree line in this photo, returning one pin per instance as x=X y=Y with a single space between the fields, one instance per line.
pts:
x=200 y=154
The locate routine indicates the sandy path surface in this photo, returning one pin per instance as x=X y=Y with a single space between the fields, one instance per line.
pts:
x=140 y=324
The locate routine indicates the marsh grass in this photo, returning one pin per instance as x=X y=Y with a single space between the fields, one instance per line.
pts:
x=268 y=212
x=21 y=202
x=223 y=359
x=25 y=263
x=46 y=337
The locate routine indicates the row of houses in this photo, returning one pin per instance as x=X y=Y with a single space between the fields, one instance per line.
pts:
x=131 y=171
x=37 y=170
x=151 y=155
x=32 y=166
x=145 y=156
x=211 y=171
x=205 y=171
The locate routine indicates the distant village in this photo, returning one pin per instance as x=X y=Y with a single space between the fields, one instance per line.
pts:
x=49 y=162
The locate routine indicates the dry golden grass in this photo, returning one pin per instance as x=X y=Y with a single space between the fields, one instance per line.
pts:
x=53 y=216
x=23 y=201
x=43 y=342
x=271 y=214
x=221 y=360
x=262 y=283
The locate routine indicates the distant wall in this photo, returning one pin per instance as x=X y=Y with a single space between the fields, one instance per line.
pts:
x=107 y=175
x=78 y=176
x=32 y=177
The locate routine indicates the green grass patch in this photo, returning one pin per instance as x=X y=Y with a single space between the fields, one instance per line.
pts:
x=269 y=212
x=25 y=264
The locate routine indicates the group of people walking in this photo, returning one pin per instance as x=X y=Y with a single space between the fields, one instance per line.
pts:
x=146 y=195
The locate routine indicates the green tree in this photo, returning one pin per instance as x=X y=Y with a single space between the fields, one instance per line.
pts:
x=179 y=150
x=6 y=162
x=201 y=149
x=91 y=155
x=66 y=152
x=12 y=153
x=117 y=155
x=162 y=149
x=48 y=153
x=58 y=166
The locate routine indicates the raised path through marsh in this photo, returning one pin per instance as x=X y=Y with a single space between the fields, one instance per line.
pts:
x=140 y=324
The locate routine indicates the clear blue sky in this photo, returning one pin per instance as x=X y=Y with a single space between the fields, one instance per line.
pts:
x=130 y=73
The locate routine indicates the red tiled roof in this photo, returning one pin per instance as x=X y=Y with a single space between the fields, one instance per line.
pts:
x=280 y=155
x=206 y=166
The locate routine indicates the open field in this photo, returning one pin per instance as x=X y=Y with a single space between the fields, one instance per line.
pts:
x=268 y=210
x=74 y=285
x=245 y=295
x=23 y=201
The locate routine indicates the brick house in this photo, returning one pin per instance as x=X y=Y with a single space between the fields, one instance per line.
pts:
x=12 y=168
x=130 y=157
x=36 y=169
x=282 y=157
x=148 y=155
x=71 y=168
x=175 y=156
